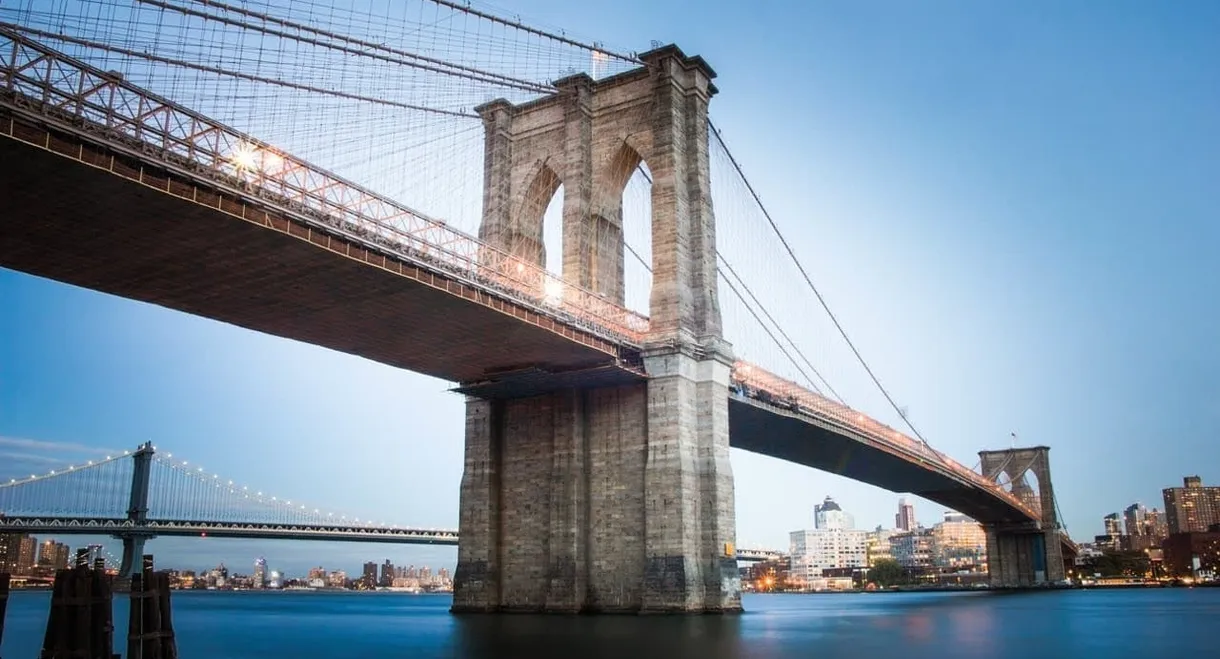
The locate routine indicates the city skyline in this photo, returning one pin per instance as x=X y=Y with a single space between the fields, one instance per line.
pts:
x=999 y=332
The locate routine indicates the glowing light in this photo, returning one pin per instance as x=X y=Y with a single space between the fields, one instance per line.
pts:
x=271 y=160
x=90 y=463
x=245 y=156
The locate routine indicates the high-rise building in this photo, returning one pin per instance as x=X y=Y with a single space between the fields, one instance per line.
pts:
x=1133 y=519
x=833 y=544
x=905 y=519
x=368 y=578
x=27 y=555
x=1155 y=525
x=259 y=580
x=10 y=551
x=1114 y=525
x=387 y=574
x=828 y=515
x=52 y=556
x=1193 y=507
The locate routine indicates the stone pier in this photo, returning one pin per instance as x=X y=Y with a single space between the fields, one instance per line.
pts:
x=1020 y=556
x=612 y=499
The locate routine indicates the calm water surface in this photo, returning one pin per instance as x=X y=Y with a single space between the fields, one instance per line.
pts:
x=303 y=625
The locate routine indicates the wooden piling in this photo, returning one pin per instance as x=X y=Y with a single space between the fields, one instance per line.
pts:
x=80 y=625
x=150 y=628
x=4 y=579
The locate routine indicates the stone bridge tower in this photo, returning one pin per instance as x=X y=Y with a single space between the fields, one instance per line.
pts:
x=1032 y=554
x=612 y=498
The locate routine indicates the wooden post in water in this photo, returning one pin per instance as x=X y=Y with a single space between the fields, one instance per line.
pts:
x=80 y=624
x=4 y=579
x=150 y=629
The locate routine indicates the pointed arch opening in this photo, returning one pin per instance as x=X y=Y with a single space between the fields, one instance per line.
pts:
x=552 y=234
x=527 y=240
x=622 y=230
x=1031 y=495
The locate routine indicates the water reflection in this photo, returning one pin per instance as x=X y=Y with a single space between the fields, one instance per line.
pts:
x=1127 y=623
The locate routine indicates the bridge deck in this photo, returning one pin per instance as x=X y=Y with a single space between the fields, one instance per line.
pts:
x=112 y=226
x=761 y=428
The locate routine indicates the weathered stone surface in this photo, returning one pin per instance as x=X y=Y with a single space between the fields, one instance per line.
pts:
x=614 y=499
x=1025 y=556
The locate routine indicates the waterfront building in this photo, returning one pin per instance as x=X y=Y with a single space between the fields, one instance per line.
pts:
x=387 y=574
x=905 y=519
x=912 y=549
x=337 y=579
x=829 y=516
x=877 y=545
x=1194 y=555
x=959 y=543
x=368 y=577
x=1191 y=508
x=834 y=543
x=259 y=579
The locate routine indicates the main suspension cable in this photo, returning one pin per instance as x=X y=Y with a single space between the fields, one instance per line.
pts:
x=762 y=308
x=809 y=282
x=404 y=61
x=268 y=18
x=234 y=74
x=535 y=31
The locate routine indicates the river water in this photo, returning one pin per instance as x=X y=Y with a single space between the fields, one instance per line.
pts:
x=304 y=625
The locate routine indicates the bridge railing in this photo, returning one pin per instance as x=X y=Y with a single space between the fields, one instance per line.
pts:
x=105 y=107
x=779 y=391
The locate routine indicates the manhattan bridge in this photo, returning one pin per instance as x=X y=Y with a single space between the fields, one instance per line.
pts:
x=556 y=226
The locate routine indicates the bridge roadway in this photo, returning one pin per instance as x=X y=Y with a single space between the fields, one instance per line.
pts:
x=195 y=529
x=97 y=208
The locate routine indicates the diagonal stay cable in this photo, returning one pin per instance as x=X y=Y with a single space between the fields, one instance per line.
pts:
x=762 y=308
x=778 y=327
x=809 y=281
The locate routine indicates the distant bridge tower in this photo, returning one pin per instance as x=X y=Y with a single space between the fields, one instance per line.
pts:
x=619 y=497
x=1025 y=555
x=137 y=512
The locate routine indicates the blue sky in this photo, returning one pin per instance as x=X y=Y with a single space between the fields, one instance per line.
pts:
x=1008 y=207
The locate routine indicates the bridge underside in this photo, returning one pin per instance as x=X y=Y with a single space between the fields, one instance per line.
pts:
x=100 y=229
x=764 y=429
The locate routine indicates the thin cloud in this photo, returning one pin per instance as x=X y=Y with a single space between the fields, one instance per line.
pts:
x=15 y=457
x=49 y=446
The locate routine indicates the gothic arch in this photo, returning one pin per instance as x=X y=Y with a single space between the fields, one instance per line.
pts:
x=526 y=236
